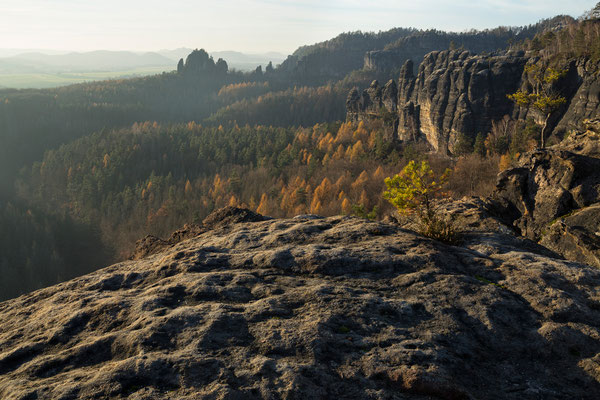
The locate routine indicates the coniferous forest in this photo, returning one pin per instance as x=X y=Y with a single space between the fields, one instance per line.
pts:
x=88 y=169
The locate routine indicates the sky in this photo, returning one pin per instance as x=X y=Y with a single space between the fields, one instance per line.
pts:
x=251 y=26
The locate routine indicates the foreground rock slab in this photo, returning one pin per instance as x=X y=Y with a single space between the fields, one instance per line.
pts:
x=312 y=308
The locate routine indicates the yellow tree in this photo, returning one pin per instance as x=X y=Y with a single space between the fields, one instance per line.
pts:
x=344 y=134
x=322 y=196
x=378 y=174
x=414 y=188
x=188 y=187
x=542 y=97
x=358 y=151
x=339 y=153
x=263 y=207
x=361 y=182
x=346 y=206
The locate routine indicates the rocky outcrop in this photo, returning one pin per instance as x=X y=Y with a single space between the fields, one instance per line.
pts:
x=312 y=308
x=152 y=244
x=373 y=101
x=376 y=102
x=457 y=92
x=553 y=195
x=454 y=92
x=547 y=184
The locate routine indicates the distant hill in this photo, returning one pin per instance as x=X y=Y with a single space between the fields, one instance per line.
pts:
x=41 y=70
x=386 y=51
x=47 y=68
x=101 y=60
x=175 y=54
x=13 y=52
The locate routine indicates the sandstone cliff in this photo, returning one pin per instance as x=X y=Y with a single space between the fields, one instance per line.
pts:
x=584 y=95
x=313 y=308
x=457 y=92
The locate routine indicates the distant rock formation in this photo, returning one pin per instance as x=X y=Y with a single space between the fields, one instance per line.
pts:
x=312 y=308
x=420 y=43
x=200 y=64
x=458 y=92
x=374 y=103
x=453 y=92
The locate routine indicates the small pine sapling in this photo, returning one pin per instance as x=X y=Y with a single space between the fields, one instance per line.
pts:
x=413 y=191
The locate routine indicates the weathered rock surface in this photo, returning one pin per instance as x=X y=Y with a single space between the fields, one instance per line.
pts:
x=312 y=308
x=373 y=101
x=553 y=195
x=460 y=92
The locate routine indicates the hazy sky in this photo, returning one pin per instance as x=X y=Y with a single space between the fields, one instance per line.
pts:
x=246 y=25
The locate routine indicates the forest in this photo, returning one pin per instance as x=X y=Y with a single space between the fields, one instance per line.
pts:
x=88 y=169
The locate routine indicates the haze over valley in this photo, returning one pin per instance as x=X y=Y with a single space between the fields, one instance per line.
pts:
x=22 y=68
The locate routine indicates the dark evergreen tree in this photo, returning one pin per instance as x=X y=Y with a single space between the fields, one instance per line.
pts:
x=464 y=145
x=479 y=145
